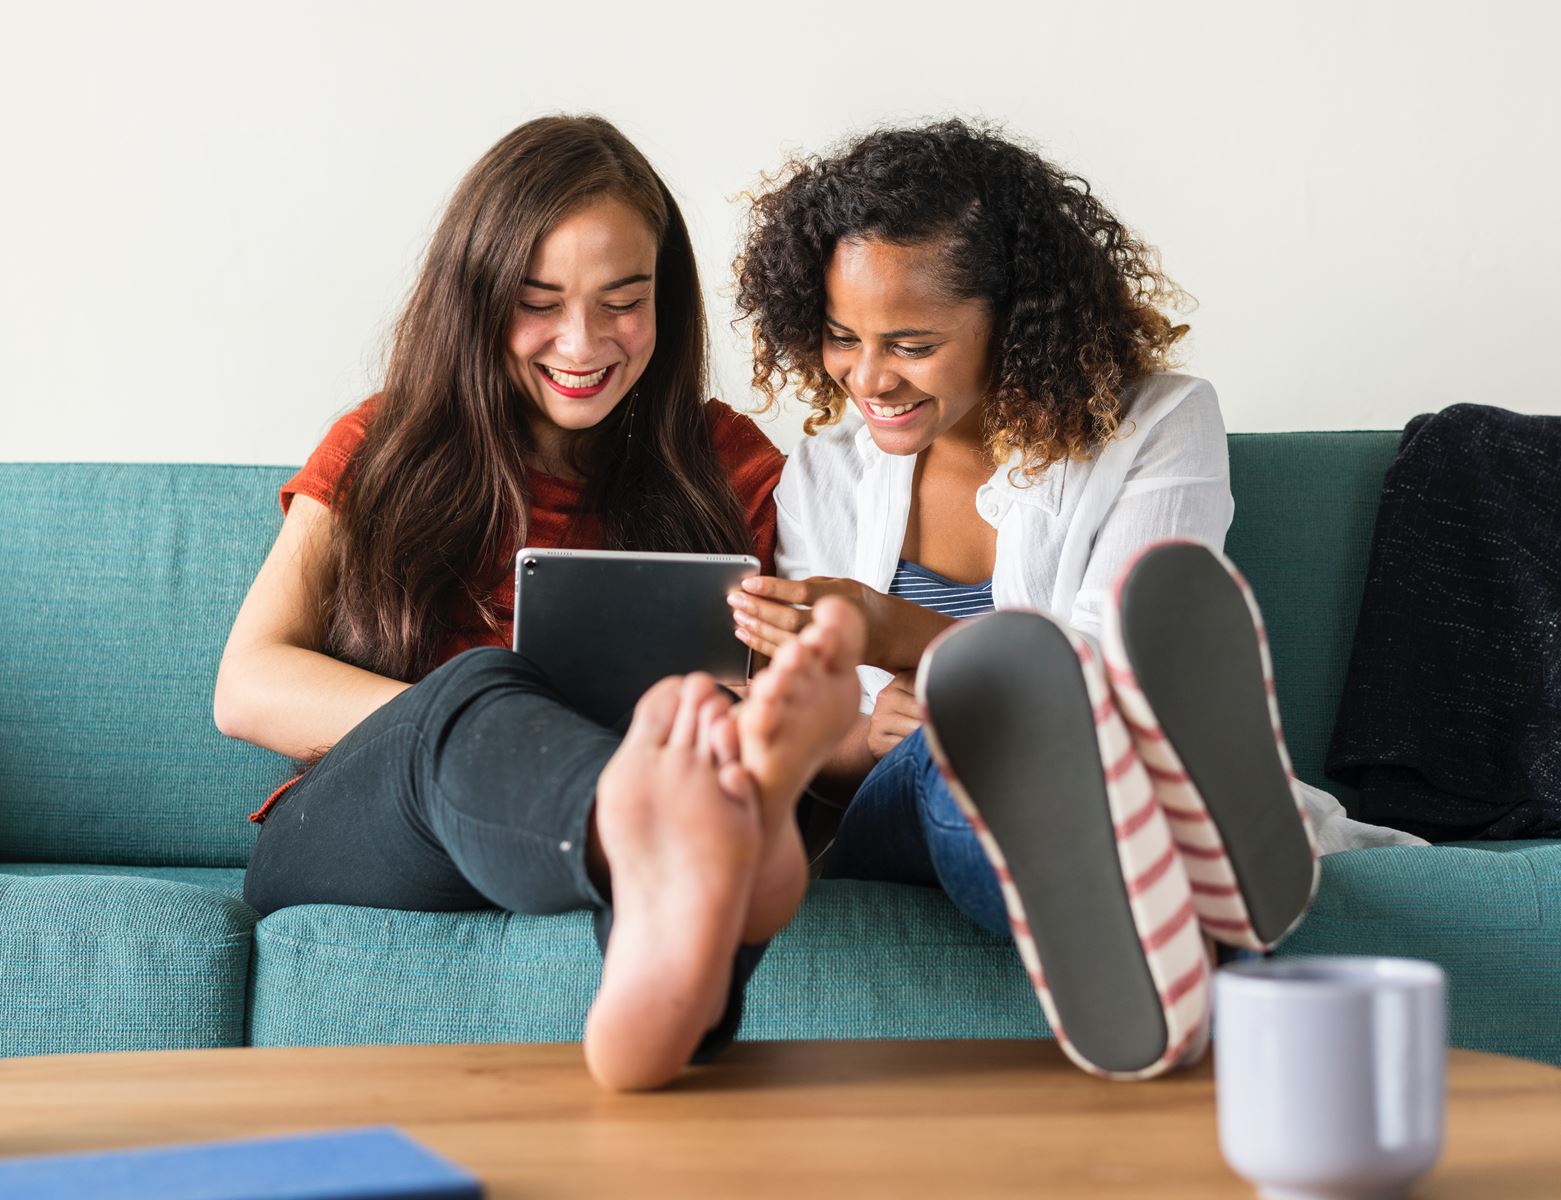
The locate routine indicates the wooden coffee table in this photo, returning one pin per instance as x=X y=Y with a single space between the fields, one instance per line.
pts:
x=783 y=1119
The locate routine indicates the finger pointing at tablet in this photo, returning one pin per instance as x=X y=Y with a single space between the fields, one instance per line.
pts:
x=766 y=613
x=770 y=611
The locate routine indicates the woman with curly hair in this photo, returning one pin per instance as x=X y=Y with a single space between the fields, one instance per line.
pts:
x=984 y=347
x=546 y=388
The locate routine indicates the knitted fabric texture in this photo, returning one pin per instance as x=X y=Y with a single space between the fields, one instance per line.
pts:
x=1450 y=722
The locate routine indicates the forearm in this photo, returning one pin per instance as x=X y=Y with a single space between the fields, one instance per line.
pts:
x=295 y=701
x=913 y=629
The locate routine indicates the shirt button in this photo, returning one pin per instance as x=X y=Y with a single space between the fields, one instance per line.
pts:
x=991 y=508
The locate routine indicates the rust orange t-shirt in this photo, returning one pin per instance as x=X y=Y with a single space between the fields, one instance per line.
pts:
x=750 y=460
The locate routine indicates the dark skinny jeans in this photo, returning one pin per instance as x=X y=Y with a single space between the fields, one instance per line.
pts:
x=472 y=789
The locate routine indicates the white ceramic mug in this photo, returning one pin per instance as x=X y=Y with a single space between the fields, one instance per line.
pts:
x=1331 y=1074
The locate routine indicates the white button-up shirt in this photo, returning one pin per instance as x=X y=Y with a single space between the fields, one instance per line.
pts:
x=1062 y=538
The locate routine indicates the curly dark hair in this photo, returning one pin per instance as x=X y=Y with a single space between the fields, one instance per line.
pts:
x=1076 y=298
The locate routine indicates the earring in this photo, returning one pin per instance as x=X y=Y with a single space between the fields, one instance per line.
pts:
x=634 y=394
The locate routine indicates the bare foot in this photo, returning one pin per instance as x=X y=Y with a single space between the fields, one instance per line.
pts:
x=798 y=708
x=680 y=832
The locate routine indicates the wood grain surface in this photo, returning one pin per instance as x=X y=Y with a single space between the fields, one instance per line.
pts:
x=793 y=1119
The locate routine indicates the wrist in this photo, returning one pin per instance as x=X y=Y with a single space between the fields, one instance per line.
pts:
x=882 y=645
x=912 y=637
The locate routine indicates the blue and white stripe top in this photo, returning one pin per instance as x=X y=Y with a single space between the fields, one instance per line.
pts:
x=915 y=583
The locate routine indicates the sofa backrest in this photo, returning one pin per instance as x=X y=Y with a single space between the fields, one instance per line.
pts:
x=1306 y=504
x=119 y=582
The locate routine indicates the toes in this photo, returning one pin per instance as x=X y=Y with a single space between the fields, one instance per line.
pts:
x=725 y=745
x=711 y=712
x=655 y=712
x=796 y=655
x=695 y=690
x=793 y=671
x=838 y=632
x=737 y=784
x=770 y=685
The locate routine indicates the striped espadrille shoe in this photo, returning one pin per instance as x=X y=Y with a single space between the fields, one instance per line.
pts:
x=1188 y=661
x=1020 y=719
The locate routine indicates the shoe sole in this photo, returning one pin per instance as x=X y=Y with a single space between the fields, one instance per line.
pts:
x=1010 y=719
x=1195 y=651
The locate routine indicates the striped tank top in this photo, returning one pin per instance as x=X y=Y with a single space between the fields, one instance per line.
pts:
x=915 y=583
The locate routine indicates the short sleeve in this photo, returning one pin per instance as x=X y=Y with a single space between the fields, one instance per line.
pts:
x=753 y=468
x=318 y=477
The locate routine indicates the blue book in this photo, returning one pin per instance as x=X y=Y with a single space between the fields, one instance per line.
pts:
x=359 y=1164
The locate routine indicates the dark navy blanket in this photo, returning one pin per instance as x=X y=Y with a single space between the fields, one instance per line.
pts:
x=1450 y=722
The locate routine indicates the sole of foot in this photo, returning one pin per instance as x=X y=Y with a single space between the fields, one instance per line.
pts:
x=679 y=827
x=797 y=711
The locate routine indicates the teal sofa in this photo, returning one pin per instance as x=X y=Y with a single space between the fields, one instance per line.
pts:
x=123 y=835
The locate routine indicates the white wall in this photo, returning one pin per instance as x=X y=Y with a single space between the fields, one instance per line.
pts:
x=209 y=212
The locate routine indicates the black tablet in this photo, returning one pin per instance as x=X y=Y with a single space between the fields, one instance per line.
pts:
x=604 y=625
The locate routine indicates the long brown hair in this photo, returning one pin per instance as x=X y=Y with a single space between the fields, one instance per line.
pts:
x=435 y=499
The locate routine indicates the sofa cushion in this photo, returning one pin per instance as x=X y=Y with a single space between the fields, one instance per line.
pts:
x=1488 y=912
x=119 y=962
x=869 y=960
x=120 y=584
x=227 y=880
x=861 y=960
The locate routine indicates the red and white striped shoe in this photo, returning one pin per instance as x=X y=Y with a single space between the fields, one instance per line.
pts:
x=1020 y=718
x=1188 y=661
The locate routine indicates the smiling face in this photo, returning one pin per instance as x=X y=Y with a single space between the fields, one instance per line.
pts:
x=915 y=363
x=585 y=322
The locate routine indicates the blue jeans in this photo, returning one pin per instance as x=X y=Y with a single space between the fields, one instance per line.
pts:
x=903 y=826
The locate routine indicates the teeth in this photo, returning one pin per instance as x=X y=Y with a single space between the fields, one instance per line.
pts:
x=571 y=380
x=897 y=410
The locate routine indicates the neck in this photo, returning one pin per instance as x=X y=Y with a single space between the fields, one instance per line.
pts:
x=549 y=452
x=962 y=445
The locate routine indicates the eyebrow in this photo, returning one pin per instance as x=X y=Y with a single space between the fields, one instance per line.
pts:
x=891 y=335
x=611 y=287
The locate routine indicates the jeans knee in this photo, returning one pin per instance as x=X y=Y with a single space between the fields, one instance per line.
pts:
x=452 y=686
x=484 y=667
x=934 y=797
x=480 y=660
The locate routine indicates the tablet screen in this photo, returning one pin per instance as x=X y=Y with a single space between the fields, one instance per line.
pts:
x=604 y=625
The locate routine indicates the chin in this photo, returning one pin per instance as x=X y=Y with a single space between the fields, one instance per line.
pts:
x=899 y=442
x=575 y=422
x=578 y=416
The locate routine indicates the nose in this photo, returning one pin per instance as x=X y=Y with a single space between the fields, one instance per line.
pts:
x=871 y=375
x=577 y=337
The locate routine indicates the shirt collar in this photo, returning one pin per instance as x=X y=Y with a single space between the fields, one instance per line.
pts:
x=1007 y=482
x=1042 y=491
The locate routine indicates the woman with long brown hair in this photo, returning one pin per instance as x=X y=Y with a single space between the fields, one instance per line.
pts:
x=546 y=387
